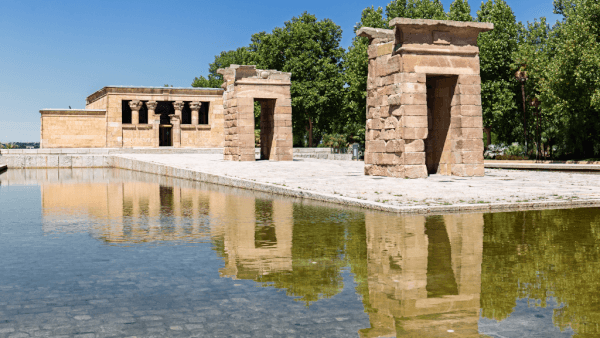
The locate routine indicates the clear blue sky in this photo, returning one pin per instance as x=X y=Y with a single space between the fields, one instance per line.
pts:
x=53 y=54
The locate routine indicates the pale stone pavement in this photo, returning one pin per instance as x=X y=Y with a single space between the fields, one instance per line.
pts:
x=346 y=179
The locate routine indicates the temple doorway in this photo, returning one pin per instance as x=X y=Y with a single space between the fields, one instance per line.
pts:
x=165 y=137
x=438 y=145
x=265 y=124
x=165 y=131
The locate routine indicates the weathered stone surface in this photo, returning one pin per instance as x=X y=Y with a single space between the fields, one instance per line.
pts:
x=376 y=33
x=414 y=145
x=415 y=171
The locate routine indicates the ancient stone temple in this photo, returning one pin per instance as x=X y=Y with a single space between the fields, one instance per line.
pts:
x=245 y=85
x=424 y=99
x=145 y=117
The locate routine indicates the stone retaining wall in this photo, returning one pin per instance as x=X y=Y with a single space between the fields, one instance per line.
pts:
x=102 y=157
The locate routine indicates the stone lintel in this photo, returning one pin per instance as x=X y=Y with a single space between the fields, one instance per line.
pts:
x=433 y=24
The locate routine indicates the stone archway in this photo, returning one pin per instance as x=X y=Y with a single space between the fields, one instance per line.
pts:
x=243 y=86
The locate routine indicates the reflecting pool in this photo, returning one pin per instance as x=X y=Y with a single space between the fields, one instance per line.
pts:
x=116 y=253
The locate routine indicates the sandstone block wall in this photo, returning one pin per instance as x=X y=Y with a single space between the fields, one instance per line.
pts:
x=69 y=128
x=243 y=85
x=424 y=103
x=146 y=135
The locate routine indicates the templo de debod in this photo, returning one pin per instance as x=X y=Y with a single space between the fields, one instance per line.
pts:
x=127 y=117
x=424 y=99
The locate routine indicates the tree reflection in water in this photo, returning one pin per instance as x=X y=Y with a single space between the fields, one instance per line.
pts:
x=416 y=275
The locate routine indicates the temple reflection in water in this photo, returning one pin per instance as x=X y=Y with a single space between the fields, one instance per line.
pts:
x=418 y=276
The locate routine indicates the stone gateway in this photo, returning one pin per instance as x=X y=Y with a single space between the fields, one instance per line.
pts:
x=424 y=99
x=243 y=86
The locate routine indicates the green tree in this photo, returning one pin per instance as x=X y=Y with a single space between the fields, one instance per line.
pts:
x=532 y=56
x=498 y=87
x=240 y=56
x=310 y=50
x=356 y=69
x=460 y=11
x=425 y=9
x=569 y=82
x=395 y=9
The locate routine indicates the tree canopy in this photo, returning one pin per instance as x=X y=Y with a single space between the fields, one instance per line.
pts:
x=561 y=62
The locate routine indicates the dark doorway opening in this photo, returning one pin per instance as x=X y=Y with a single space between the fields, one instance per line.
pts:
x=143 y=117
x=265 y=126
x=125 y=112
x=186 y=113
x=441 y=280
x=164 y=136
x=264 y=231
x=438 y=145
x=203 y=118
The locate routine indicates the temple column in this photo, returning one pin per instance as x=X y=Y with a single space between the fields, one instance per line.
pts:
x=195 y=108
x=176 y=122
x=135 y=106
x=155 y=120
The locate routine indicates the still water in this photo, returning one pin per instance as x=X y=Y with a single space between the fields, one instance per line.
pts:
x=115 y=253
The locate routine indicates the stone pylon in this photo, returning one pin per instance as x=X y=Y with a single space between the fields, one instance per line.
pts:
x=424 y=99
x=243 y=86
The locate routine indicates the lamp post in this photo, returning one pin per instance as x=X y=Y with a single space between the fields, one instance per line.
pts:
x=535 y=103
x=521 y=76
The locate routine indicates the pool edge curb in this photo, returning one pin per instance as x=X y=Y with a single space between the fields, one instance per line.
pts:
x=123 y=162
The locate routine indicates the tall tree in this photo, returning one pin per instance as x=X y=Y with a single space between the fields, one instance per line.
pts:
x=498 y=87
x=240 y=56
x=310 y=50
x=533 y=52
x=569 y=86
x=356 y=69
x=460 y=11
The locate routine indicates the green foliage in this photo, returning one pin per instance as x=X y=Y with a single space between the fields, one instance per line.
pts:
x=460 y=11
x=425 y=9
x=310 y=50
x=498 y=87
x=8 y=146
x=335 y=141
x=356 y=69
x=240 y=56
x=542 y=254
x=569 y=77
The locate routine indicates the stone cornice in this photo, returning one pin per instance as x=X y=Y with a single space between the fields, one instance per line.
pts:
x=72 y=112
x=153 y=91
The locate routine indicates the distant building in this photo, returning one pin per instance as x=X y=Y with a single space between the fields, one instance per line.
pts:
x=126 y=117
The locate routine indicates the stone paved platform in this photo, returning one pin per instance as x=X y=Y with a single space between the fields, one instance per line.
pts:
x=344 y=182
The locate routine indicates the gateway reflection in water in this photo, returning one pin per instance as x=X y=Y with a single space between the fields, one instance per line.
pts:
x=416 y=276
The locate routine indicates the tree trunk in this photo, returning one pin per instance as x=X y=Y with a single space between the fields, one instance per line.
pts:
x=488 y=136
x=310 y=132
